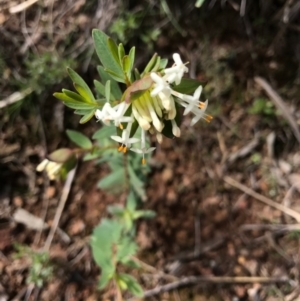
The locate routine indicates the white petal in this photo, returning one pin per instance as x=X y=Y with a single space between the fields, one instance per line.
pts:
x=137 y=150
x=117 y=138
x=150 y=150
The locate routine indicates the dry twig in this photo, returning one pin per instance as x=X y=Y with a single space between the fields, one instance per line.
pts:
x=262 y=198
x=60 y=208
x=279 y=103
x=187 y=281
x=15 y=97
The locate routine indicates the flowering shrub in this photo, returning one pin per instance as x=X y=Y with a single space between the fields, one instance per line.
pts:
x=150 y=104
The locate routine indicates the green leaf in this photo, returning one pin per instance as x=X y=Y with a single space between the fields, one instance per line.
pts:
x=73 y=95
x=107 y=90
x=79 y=105
x=143 y=213
x=79 y=139
x=100 y=88
x=131 y=263
x=157 y=65
x=107 y=274
x=87 y=117
x=113 y=48
x=131 y=202
x=163 y=64
x=126 y=248
x=116 y=210
x=104 y=53
x=150 y=64
x=137 y=75
x=77 y=79
x=131 y=57
x=114 y=182
x=132 y=285
x=68 y=166
x=121 y=53
x=61 y=155
x=84 y=93
x=187 y=86
x=115 y=89
x=136 y=183
x=116 y=76
x=103 y=239
x=104 y=133
x=82 y=112
x=127 y=65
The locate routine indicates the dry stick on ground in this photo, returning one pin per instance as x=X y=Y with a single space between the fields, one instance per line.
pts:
x=193 y=280
x=15 y=97
x=60 y=208
x=279 y=103
x=22 y=6
x=262 y=198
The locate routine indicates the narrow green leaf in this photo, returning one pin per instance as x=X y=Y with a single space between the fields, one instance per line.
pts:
x=126 y=65
x=116 y=76
x=113 y=49
x=131 y=202
x=64 y=97
x=137 y=75
x=106 y=57
x=121 y=53
x=157 y=65
x=132 y=57
x=100 y=88
x=163 y=64
x=79 y=105
x=143 y=213
x=79 y=139
x=150 y=64
x=87 y=117
x=74 y=104
x=73 y=95
x=82 y=112
x=77 y=79
x=84 y=93
x=115 y=89
x=107 y=90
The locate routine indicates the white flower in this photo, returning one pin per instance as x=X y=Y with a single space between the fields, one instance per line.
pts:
x=52 y=168
x=143 y=150
x=160 y=86
x=193 y=101
x=175 y=129
x=125 y=140
x=175 y=73
x=115 y=114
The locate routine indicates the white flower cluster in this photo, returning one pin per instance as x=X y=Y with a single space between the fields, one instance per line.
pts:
x=154 y=107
